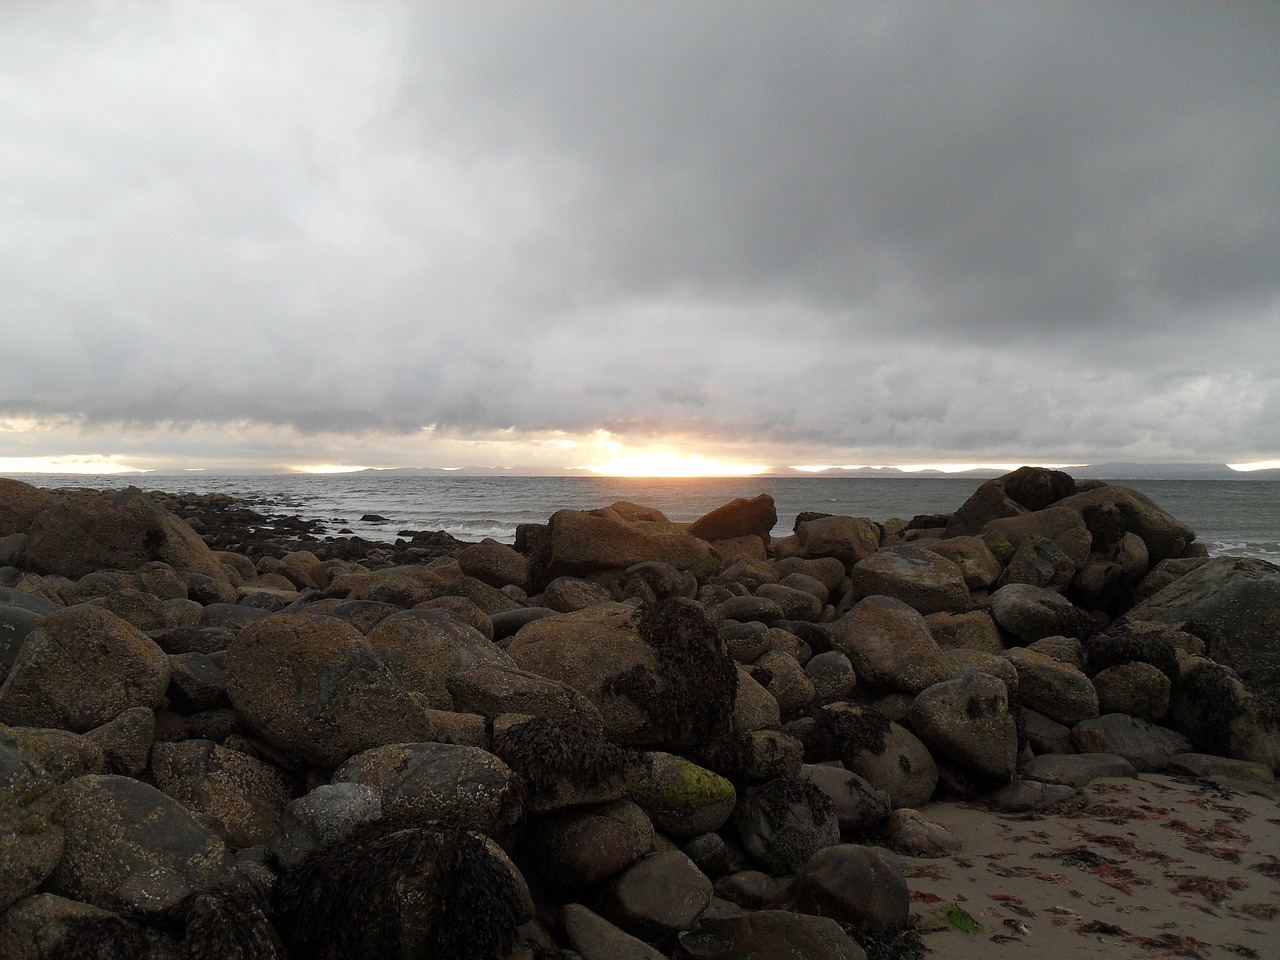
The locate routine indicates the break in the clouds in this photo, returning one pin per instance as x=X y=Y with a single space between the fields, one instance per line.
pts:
x=538 y=233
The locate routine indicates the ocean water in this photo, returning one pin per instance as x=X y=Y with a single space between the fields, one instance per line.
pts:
x=1231 y=517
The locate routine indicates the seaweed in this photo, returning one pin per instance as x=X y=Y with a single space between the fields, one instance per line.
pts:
x=1105 y=523
x=776 y=797
x=842 y=734
x=904 y=944
x=225 y=924
x=1120 y=645
x=690 y=691
x=1212 y=688
x=545 y=752
x=408 y=889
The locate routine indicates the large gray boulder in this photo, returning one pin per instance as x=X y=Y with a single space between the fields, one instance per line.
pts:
x=1031 y=613
x=1233 y=604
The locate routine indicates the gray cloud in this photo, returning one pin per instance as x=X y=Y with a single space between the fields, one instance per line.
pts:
x=888 y=232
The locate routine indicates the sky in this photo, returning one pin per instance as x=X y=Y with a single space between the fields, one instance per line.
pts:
x=637 y=236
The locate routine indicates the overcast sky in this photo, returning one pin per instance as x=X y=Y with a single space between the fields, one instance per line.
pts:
x=376 y=233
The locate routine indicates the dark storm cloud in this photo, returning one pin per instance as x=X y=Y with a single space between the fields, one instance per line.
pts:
x=906 y=231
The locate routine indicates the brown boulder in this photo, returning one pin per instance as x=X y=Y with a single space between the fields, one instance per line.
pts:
x=617 y=537
x=755 y=517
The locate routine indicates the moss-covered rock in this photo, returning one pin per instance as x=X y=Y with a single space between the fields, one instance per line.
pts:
x=684 y=799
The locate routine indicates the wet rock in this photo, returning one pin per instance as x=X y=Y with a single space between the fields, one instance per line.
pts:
x=973 y=630
x=80 y=668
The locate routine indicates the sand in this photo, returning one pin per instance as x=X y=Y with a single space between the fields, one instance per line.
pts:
x=1156 y=866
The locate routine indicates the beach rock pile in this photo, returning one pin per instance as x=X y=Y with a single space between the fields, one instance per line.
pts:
x=621 y=738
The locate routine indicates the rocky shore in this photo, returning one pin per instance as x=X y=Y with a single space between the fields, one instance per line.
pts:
x=223 y=735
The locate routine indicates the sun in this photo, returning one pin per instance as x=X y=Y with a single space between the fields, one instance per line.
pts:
x=667 y=463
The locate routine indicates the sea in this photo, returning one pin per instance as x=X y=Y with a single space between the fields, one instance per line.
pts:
x=1231 y=517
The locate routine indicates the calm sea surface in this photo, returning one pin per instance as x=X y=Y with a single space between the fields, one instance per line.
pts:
x=1239 y=517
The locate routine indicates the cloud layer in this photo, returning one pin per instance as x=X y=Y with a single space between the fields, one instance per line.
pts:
x=404 y=233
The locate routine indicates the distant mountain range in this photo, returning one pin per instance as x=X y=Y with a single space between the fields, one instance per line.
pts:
x=1093 y=471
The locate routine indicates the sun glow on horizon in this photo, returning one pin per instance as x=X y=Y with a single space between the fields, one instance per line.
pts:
x=920 y=467
x=327 y=468
x=1256 y=465
x=665 y=463
x=89 y=465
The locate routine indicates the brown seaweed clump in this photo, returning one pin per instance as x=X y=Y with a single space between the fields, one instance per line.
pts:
x=402 y=891
x=547 y=752
x=1212 y=688
x=690 y=701
x=843 y=734
x=1119 y=646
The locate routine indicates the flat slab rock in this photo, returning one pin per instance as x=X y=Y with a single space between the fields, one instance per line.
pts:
x=1076 y=769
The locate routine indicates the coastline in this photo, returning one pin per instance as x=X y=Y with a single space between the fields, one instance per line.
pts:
x=960 y=665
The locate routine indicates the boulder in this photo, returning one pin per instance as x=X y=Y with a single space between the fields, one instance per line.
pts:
x=130 y=847
x=1076 y=769
x=1041 y=563
x=569 y=594
x=1233 y=604
x=1107 y=579
x=864 y=887
x=832 y=676
x=967 y=721
x=125 y=741
x=614 y=538
x=1064 y=527
x=847 y=539
x=755 y=517
x=463 y=786
x=915 y=835
x=1148 y=747
x=322 y=818
x=657 y=896
x=794 y=604
x=494 y=690
x=583 y=846
x=422 y=649
x=977 y=564
x=922 y=579
x=80 y=668
x=858 y=805
x=1031 y=613
x=20 y=503
x=310 y=685
x=682 y=798
x=785 y=822
x=82 y=532
x=239 y=796
x=1164 y=535
x=1138 y=689
x=972 y=630
x=884 y=753
x=768 y=934
x=494 y=563
x=890 y=645
x=658 y=675
x=595 y=938
x=1058 y=690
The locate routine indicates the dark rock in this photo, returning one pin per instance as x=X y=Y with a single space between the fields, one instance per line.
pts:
x=766 y=934
x=755 y=517
x=858 y=805
x=322 y=818
x=1148 y=747
x=657 y=896
x=581 y=847
x=785 y=822
x=1076 y=769
x=863 y=887
x=595 y=938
